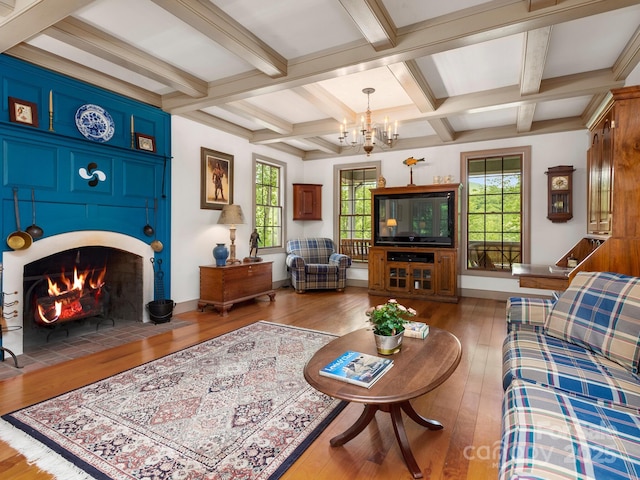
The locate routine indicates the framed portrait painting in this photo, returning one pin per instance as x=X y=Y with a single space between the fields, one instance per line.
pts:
x=216 y=179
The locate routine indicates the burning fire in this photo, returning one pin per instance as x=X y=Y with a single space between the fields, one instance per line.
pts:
x=72 y=298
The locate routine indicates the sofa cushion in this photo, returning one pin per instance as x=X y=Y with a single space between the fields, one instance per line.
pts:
x=556 y=363
x=548 y=434
x=321 y=269
x=528 y=313
x=600 y=311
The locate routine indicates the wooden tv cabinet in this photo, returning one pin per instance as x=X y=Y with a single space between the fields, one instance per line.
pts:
x=414 y=272
x=422 y=272
x=223 y=287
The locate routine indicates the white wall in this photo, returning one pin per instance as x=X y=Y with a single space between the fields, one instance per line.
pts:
x=549 y=240
x=195 y=233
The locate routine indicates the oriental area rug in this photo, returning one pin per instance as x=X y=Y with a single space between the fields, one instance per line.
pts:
x=234 y=407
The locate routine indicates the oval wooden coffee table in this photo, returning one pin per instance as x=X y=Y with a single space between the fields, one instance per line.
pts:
x=418 y=368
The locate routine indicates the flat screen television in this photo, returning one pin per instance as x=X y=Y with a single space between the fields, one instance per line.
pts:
x=425 y=219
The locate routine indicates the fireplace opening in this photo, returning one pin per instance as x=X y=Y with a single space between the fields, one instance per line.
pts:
x=83 y=286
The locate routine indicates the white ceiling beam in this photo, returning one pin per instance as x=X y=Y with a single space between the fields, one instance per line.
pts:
x=290 y=149
x=629 y=58
x=420 y=40
x=322 y=145
x=6 y=7
x=219 y=124
x=536 y=47
x=23 y=24
x=246 y=110
x=570 y=86
x=212 y=22
x=45 y=59
x=413 y=82
x=373 y=20
x=90 y=39
x=327 y=103
x=300 y=131
x=524 y=118
x=443 y=129
x=538 y=4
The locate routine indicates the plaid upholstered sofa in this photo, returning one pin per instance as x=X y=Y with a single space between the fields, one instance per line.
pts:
x=572 y=391
x=314 y=264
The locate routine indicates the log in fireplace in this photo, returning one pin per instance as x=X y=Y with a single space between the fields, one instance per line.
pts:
x=82 y=283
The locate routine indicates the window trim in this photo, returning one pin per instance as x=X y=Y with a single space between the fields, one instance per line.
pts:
x=525 y=151
x=257 y=158
x=377 y=164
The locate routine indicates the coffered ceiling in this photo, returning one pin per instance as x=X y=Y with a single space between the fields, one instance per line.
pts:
x=286 y=73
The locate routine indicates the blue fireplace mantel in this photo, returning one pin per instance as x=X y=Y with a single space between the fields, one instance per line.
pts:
x=78 y=183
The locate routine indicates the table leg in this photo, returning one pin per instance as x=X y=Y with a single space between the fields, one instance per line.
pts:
x=419 y=419
x=352 y=432
x=395 y=411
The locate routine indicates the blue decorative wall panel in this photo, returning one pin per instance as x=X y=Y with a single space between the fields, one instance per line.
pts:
x=29 y=164
x=81 y=184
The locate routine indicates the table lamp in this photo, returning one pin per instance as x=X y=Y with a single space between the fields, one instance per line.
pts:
x=231 y=215
x=392 y=223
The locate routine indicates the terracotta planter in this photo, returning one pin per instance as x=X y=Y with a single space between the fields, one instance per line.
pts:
x=388 y=345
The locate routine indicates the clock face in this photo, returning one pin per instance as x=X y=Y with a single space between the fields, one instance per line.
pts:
x=560 y=183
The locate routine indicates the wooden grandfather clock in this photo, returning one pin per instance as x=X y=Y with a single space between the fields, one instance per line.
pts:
x=560 y=193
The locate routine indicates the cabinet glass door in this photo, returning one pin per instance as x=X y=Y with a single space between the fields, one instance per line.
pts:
x=422 y=278
x=397 y=277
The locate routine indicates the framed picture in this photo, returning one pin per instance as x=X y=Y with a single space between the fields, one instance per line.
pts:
x=216 y=179
x=21 y=111
x=145 y=142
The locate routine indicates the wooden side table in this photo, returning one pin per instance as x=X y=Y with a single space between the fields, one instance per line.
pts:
x=222 y=287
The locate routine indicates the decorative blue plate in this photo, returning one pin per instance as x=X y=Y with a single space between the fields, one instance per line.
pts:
x=95 y=123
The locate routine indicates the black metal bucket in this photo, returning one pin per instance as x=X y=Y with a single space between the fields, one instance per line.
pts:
x=160 y=311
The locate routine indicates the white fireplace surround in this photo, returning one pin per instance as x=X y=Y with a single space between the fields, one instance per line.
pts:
x=13 y=263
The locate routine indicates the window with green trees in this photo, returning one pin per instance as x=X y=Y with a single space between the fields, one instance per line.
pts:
x=495 y=206
x=268 y=203
x=355 y=211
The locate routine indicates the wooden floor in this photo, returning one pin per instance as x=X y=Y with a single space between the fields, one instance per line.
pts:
x=468 y=404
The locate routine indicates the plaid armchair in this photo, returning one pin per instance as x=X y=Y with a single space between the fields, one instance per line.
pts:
x=314 y=264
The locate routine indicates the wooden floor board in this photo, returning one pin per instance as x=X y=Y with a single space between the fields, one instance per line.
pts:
x=468 y=403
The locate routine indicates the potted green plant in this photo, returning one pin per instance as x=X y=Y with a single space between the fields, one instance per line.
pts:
x=388 y=322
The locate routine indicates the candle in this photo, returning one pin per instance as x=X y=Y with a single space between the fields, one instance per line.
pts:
x=354 y=135
x=50 y=101
x=132 y=124
x=396 y=126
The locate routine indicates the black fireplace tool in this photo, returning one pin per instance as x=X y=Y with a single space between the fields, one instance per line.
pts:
x=160 y=310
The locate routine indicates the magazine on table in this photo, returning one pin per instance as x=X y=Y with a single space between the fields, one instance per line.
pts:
x=357 y=368
x=416 y=329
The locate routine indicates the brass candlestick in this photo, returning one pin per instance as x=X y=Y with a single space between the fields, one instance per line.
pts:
x=51 y=110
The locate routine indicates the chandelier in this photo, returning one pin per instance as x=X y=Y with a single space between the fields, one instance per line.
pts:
x=370 y=134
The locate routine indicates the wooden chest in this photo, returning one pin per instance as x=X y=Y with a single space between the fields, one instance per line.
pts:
x=225 y=286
